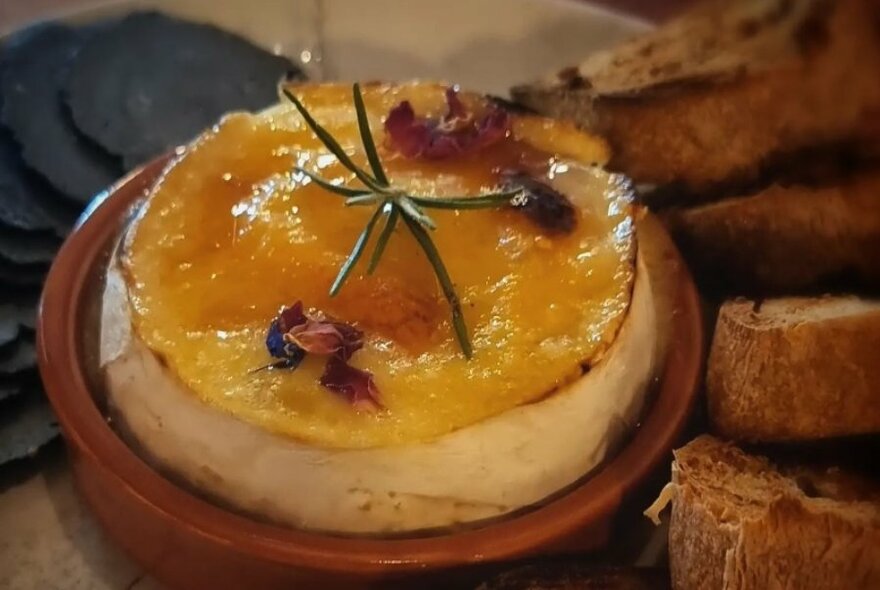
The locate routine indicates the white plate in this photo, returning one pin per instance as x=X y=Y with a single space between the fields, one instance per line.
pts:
x=485 y=45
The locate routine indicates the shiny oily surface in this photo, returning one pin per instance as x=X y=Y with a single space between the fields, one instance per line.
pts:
x=230 y=235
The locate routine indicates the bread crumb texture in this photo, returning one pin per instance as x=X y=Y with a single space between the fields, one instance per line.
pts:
x=738 y=523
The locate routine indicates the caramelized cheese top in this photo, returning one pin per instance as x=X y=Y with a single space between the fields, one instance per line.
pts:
x=230 y=235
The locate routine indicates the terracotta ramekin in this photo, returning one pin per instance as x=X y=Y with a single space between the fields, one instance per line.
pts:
x=187 y=542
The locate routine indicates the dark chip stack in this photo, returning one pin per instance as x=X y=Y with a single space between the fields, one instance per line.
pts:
x=78 y=107
x=171 y=79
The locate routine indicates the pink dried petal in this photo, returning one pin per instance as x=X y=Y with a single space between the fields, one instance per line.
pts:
x=326 y=338
x=315 y=337
x=291 y=317
x=355 y=384
x=456 y=133
x=406 y=134
x=455 y=109
x=352 y=340
x=493 y=126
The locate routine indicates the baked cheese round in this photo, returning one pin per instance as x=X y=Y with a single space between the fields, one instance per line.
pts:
x=560 y=319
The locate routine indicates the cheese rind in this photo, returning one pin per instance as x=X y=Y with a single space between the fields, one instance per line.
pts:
x=564 y=326
x=511 y=461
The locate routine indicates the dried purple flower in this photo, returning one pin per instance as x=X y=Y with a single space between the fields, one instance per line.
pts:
x=355 y=384
x=277 y=343
x=326 y=338
x=541 y=203
x=293 y=334
x=457 y=132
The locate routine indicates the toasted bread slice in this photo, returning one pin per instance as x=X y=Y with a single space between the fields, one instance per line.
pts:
x=579 y=576
x=785 y=238
x=795 y=369
x=723 y=92
x=738 y=523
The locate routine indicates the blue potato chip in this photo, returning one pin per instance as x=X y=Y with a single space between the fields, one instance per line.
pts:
x=10 y=323
x=27 y=315
x=22 y=356
x=151 y=83
x=17 y=384
x=26 y=425
x=34 y=66
x=22 y=274
x=9 y=390
x=27 y=202
x=20 y=247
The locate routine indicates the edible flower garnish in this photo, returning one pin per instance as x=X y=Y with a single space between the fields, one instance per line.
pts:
x=355 y=384
x=279 y=346
x=397 y=205
x=293 y=334
x=326 y=338
x=456 y=133
x=541 y=203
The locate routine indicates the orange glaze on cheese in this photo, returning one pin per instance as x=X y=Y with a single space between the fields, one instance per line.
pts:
x=229 y=236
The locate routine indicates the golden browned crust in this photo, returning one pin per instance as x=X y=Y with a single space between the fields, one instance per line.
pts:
x=737 y=523
x=795 y=374
x=785 y=237
x=716 y=94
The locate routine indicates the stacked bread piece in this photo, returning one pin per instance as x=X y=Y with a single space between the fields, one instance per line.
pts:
x=739 y=521
x=795 y=369
x=753 y=128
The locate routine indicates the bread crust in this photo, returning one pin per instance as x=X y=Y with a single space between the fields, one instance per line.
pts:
x=785 y=238
x=714 y=96
x=697 y=543
x=798 y=377
x=725 y=535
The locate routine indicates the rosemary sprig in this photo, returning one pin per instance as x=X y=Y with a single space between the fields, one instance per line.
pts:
x=392 y=215
x=367 y=136
x=329 y=186
x=356 y=253
x=413 y=211
x=396 y=205
x=330 y=142
x=363 y=199
x=433 y=255
x=481 y=202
